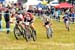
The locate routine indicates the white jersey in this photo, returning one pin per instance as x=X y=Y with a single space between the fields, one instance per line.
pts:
x=21 y=16
x=45 y=18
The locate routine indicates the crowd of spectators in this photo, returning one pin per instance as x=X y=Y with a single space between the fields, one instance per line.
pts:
x=10 y=9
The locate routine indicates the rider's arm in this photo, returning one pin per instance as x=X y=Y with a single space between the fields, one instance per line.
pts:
x=33 y=17
x=48 y=19
x=43 y=23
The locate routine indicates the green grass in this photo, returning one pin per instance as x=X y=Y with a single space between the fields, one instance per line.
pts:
x=61 y=40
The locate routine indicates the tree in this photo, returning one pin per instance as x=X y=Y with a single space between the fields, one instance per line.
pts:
x=49 y=1
x=62 y=0
x=24 y=1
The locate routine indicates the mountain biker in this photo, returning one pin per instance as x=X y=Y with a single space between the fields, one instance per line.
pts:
x=19 y=17
x=47 y=24
x=66 y=21
x=29 y=17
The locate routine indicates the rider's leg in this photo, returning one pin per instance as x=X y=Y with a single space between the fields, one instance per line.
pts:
x=47 y=27
x=50 y=28
x=67 y=25
x=33 y=27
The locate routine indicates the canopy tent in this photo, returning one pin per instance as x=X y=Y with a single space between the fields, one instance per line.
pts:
x=40 y=5
x=64 y=5
x=32 y=3
x=54 y=3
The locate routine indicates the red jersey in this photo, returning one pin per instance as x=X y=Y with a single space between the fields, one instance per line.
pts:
x=30 y=15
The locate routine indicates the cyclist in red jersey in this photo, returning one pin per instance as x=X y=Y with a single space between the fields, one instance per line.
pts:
x=28 y=17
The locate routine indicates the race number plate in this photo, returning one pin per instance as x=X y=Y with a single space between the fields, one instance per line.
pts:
x=26 y=23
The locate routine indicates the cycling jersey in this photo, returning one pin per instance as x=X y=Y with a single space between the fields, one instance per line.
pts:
x=66 y=18
x=19 y=17
x=29 y=14
x=45 y=19
x=28 y=17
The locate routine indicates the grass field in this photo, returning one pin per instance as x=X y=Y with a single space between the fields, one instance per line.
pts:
x=61 y=40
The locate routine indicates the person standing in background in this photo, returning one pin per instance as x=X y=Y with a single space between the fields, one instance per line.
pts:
x=59 y=13
x=7 y=19
x=0 y=16
x=72 y=14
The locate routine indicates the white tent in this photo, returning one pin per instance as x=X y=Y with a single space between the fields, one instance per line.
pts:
x=32 y=2
x=11 y=1
x=54 y=3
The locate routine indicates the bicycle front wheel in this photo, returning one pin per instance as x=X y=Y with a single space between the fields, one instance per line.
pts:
x=17 y=32
x=49 y=33
x=34 y=35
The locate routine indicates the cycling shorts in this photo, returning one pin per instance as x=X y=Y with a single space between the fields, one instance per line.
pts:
x=46 y=23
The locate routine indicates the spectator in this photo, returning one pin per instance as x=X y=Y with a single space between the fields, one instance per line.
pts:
x=59 y=13
x=0 y=16
x=73 y=16
x=0 y=20
x=7 y=19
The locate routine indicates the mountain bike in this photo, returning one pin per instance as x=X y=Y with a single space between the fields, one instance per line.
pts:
x=19 y=31
x=49 y=31
x=29 y=33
